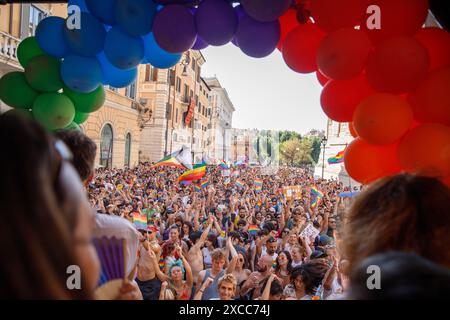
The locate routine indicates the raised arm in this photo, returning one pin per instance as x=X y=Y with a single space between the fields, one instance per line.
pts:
x=187 y=267
x=234 y=255
x=161 y=276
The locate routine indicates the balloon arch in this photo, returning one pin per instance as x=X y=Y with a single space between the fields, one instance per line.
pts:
x=389 y=82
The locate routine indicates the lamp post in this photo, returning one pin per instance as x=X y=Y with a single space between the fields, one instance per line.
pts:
x=324 y=143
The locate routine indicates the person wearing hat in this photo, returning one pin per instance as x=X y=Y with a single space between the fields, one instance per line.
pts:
x=146 y=273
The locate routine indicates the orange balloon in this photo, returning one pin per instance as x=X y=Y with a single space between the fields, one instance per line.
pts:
x=426 y=150
x=431 y=101
x=366 y=163
x=340 y=98
x=331 y=15
x=397 y=17
x=397 y=65
x=437 y=42
x=382 y=118
x=343 y=53
x=300 y=48
x=352 y=130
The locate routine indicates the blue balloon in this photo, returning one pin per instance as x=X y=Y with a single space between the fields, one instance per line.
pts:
x=89 y=40
x=79 y=3
x=50 y=36
x=103 y=10
x=123 y=50
x=113 y=76
x=81 y=74
x=135 y=16
x=156 y=56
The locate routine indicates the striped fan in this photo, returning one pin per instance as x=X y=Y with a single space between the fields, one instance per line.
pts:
x=111 y=252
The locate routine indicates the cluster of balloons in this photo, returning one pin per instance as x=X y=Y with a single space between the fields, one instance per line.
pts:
x=383 y=74
x=390 y=84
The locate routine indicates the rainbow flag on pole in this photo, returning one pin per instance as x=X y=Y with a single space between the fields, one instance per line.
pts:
x=239 y=184
x=197 y=188
x=140 y=221
x=223 y=165
x=316 y=196
x=258 y=185
x=196 y=173
x=339 y=158
x=204 y=183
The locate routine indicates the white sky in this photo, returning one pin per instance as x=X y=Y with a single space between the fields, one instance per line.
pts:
x=265 y=92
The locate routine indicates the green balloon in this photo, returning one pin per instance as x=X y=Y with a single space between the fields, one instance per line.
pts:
x=87 y=102
x=16 y=92
x=27 y=50
x=80 y=117
x=73 y=126
x=53 y=110
x=21 y=112
x=42 y=73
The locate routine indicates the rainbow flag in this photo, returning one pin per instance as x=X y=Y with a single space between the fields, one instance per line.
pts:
x=258 y=204
x=258 y=185
x=239 y=184
x=196 y=173
x=140 y=221
x=161 y=263
x=176 y=159
x=316 y=196
x=339 y=158
x=253 y=229
x=227 y=181
x=204 y=183
x=197 y=188
x=223 y=165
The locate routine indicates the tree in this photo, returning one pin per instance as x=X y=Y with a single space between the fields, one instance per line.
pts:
x=296 y=151
x=316 y=147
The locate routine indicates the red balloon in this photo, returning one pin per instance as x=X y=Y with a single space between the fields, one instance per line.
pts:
x=343 y=53
x=426 y=150
x=352 y=130
x=340 y=98
x=397 y=65
x=366 y=163
x=331 y=15
x=396 y=17
x=300 y=48
x=437 y=42
x=382 y=118
x=288 y=22
x=323 y=80
x=431 y=101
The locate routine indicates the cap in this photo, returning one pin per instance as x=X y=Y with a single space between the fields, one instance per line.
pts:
x=317 y=254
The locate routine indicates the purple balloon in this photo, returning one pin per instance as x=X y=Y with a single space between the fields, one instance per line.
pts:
x=174 y=29
x=257 y=39
x=200 y=44
x=265 y=10
x=216 y=21
x=240 y=13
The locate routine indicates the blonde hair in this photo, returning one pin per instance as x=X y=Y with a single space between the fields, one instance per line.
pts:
x=217 y=254
x=230 y=278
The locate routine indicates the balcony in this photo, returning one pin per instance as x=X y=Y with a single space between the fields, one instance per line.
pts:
x=8 y=52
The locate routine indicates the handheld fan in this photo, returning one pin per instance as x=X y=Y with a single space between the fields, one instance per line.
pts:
x=111 y=253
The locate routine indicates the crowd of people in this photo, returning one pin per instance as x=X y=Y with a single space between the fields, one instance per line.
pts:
x=223 y=240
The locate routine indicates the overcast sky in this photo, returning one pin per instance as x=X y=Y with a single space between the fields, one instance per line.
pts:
x=265 y=92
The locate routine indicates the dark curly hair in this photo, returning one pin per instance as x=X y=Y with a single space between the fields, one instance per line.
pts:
x=311 y=274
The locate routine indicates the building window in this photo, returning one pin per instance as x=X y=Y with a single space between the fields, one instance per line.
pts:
x=178 y=86
x=36 y=15
x=106 y=146
x=154 y=75
x=127 y=149
x=176 y=116
x=209 y=112
x=147 y=72
x=185 y=93
x=130 y=91
x=339 y=129
x=193 y=64
x=175 y=137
